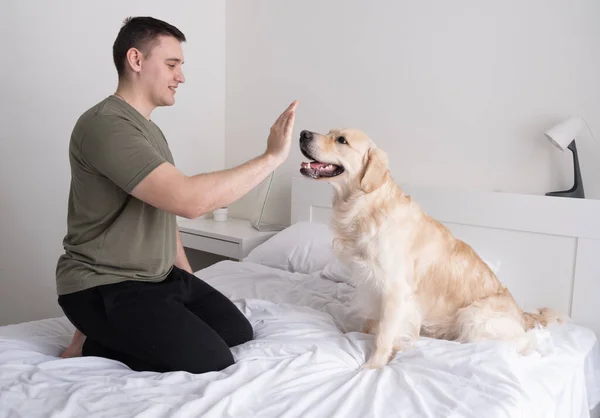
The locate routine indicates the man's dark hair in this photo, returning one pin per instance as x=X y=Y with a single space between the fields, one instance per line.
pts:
x=140 y=33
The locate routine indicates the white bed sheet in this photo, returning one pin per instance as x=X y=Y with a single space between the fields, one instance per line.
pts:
x=304 y=361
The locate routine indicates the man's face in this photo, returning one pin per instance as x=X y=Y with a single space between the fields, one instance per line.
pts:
x=161 y=72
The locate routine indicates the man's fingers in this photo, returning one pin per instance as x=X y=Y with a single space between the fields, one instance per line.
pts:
x=290 y=120
x=289 y=125
x=283 y=119
x=278 y=120
x=290 y=109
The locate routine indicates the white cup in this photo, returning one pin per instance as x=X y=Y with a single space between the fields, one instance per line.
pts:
x=220 y=215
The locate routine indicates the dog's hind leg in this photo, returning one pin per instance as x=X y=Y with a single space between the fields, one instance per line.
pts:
x=491 y=319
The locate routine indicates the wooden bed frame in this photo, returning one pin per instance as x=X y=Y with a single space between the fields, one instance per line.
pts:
x=545 y=247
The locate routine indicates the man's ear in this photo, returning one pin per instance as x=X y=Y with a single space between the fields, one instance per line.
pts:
x=376 y=169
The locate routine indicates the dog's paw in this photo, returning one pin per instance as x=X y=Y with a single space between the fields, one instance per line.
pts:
x=375 y=362
x=401 y=346
x=373 y=365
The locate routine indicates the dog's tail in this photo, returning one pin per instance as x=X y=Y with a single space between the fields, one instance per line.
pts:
x=543 y=317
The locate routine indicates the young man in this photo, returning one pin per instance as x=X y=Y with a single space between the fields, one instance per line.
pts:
x=124 y=280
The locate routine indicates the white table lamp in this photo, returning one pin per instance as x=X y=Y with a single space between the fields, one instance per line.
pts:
x=563 y=137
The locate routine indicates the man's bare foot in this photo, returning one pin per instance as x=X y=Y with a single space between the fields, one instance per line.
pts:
x=74 y=349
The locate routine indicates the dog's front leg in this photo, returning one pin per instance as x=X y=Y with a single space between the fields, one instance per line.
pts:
x=369 y=302
x=391 y=320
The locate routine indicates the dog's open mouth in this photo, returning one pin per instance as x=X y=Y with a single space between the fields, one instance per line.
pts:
x=317 y=170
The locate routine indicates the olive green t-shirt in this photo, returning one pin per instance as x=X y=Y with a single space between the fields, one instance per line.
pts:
x=111 y=235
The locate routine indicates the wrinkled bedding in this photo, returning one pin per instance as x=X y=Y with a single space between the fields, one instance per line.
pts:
x=305 y=360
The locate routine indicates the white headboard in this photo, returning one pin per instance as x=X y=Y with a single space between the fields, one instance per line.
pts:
x=547 y=248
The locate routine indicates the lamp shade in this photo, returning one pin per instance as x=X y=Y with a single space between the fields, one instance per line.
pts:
x=564 y=133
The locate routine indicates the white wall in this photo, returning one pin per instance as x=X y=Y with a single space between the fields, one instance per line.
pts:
x=57 y=62
x=458 y=93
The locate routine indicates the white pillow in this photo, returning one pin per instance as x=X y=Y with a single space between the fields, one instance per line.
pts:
x=337 y=271
x=304 y=247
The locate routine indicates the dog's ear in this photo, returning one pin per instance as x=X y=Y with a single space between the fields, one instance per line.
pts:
x=376 y=169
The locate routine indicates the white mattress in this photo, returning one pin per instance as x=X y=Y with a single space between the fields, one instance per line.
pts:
x=304 y=361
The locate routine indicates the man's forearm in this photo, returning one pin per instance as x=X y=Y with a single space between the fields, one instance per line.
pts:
x=211 y=191
x=168 y=189
x=181 y=260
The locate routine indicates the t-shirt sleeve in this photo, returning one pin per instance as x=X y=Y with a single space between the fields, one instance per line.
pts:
x=118 y=150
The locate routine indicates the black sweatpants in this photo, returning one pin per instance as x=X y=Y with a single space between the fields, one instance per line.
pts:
x=179 y=324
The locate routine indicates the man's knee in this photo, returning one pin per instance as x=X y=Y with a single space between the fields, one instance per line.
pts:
x=244 y=332
x=214 y=362
x=247 y=331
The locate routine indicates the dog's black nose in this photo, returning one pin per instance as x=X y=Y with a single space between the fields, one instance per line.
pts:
x=306 y=136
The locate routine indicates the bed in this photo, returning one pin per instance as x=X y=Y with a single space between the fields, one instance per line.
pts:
x=306 y=357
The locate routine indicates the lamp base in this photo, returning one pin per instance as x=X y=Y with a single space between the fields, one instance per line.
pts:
x=268 y=227
x=577 y=189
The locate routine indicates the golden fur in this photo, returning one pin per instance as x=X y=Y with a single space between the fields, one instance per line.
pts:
x=413 y=276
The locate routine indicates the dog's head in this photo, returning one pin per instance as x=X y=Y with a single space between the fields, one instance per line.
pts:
x=344 y=157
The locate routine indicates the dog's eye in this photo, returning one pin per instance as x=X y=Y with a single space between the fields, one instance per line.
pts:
x=342 y=140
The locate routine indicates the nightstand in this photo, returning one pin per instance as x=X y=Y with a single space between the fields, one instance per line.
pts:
x=234 y=238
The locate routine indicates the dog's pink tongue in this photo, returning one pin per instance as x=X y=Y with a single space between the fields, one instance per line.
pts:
x=314 y=165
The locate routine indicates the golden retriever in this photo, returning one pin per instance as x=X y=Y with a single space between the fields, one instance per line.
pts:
x=414 y=276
